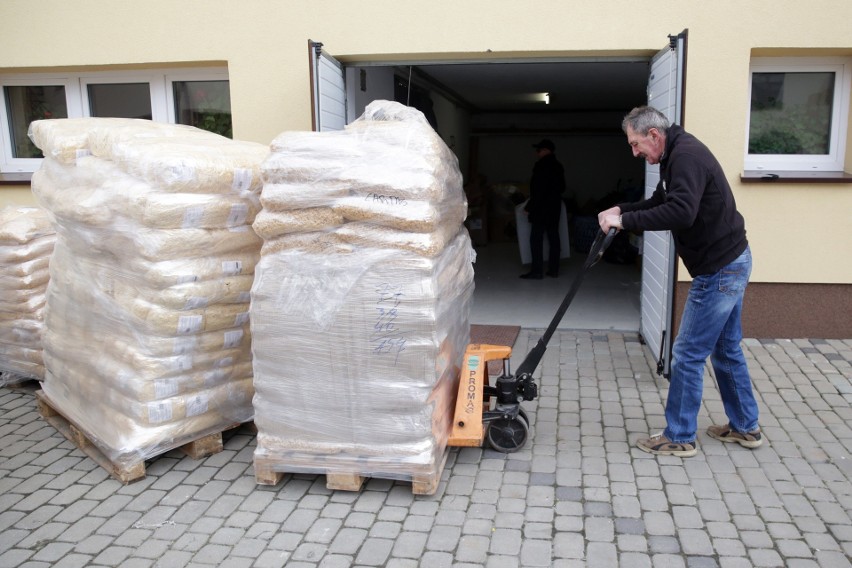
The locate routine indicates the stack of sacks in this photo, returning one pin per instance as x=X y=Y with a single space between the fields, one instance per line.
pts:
x=361 y=298
x=26 y=243
x=147 y=343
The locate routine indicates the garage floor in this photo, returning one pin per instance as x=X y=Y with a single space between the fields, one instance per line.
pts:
x=607 y=300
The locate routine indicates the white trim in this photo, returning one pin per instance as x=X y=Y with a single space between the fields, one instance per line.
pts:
x=834 y=160
x=76 y=97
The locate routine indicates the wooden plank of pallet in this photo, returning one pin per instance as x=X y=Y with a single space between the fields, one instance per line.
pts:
x=344 y=481
x=267 y=472
x=428 y=484
x=125 y=471
x=264 y=474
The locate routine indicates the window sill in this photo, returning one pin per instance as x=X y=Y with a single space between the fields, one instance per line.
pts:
x=16 y=178
x=763 y=176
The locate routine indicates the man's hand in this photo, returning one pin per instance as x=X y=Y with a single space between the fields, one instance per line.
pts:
x=611 y=218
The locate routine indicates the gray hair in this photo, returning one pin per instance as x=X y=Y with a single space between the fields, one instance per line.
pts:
x=644 y=118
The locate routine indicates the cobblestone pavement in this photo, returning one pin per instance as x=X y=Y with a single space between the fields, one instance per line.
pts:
x=578 y=493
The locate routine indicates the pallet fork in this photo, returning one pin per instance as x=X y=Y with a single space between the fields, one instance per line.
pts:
x=502 y=421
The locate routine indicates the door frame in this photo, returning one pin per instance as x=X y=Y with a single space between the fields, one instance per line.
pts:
x=677 y=43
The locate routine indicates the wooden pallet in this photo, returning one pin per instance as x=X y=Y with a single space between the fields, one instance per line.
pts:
x=124 y=470
x=268 y=472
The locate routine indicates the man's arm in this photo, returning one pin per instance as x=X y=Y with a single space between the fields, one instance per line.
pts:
x=613 y=217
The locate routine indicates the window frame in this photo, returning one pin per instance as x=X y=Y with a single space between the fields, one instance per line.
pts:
x=9 y=162
x=77 y=100
x=155 y=86
x=834 y=160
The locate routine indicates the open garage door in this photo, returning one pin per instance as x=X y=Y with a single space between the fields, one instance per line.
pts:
x=328 y=97
x=665 y=92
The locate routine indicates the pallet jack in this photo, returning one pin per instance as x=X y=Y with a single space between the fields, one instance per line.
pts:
x=493 y=412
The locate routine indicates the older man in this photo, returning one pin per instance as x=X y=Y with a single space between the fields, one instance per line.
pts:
x=694 y=201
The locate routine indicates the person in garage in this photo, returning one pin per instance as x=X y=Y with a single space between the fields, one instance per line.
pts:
x=694 y=201
x=543 y=210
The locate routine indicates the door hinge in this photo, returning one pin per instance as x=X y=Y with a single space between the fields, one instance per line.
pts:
x=672 y=41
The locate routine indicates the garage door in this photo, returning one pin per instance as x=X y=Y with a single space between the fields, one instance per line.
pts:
x=665 y=92
x=328 y=98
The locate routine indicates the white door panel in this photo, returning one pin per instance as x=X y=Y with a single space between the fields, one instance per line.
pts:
x=665 y=92
x=329 y=90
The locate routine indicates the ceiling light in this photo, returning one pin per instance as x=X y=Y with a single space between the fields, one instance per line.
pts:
x=547 y=98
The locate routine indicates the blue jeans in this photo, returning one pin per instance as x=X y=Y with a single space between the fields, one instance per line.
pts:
x=711 y=327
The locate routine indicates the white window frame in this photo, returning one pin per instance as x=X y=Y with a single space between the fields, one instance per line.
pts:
x=72 y=100
x=76 y=98
x=834 y=160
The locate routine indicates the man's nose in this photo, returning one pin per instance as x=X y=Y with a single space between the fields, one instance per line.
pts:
x=635 y=151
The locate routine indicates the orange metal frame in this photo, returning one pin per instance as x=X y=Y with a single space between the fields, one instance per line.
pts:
x=468 y=428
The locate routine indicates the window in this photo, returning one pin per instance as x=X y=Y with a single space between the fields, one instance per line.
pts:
x=121 y=100
x=799 y=109
x=197 y=97
x=203 y=104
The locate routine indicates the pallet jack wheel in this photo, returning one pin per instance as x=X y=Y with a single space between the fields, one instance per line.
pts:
x=508 y=435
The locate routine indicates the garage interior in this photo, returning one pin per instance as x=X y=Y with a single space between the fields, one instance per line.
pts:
x=490 y=114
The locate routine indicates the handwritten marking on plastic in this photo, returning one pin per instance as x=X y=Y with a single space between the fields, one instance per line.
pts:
x=386 y=199
x=386 y=337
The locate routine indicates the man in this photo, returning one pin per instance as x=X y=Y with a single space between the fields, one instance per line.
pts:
x=543 y=209
x=694 y=201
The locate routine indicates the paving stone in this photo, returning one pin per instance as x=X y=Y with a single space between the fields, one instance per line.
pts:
x=578 y=495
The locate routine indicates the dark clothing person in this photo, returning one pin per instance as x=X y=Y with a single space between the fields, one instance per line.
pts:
x=694 y=201
x=544 y=209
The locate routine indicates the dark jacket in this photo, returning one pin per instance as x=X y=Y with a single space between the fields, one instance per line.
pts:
x=694 y=201
x=546 y=187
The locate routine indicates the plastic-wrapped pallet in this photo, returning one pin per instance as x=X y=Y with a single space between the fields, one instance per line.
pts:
x=147 y=343
x=361 y=300
x=26 y=243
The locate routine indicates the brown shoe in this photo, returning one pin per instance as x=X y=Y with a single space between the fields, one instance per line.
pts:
x=727 y=434
x=662 y=446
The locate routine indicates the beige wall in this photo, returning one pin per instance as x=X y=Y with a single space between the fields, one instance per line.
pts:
x=799 y=233
x=16 y=195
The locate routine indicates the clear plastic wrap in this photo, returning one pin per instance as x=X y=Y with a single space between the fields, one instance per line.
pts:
x=359 y=321
x=147 y=342
x=27 y=238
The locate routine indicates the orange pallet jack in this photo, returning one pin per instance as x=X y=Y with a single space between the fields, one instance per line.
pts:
x=493 y=412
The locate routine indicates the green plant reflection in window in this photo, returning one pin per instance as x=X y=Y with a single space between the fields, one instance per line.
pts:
x=791 y=113
x=205 y=105
x=25 y=104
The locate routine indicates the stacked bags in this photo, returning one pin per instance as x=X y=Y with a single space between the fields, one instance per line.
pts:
x=361 y=298
x=26 y=243
x=147 y=343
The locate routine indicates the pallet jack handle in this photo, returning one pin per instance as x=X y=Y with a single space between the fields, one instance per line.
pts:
x=529 y=365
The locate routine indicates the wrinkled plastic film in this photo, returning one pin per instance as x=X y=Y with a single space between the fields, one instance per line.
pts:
x=147 y=344
x=27 y=239
x=361 y=298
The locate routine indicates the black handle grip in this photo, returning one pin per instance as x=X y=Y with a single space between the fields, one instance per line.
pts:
x=599 y=246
